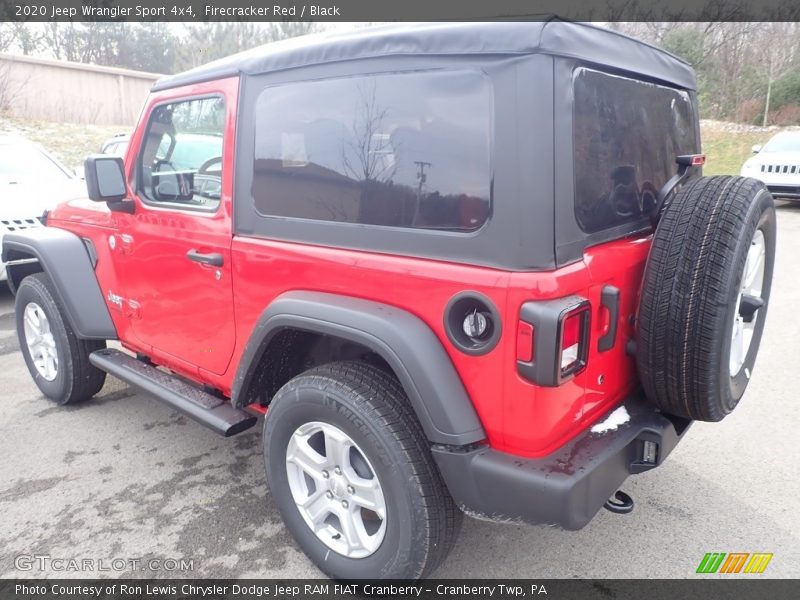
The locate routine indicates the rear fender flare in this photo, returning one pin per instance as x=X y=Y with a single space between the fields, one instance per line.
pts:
x=405 y=342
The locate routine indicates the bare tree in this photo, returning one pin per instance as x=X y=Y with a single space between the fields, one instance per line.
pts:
x=10 y=87
x=5 y=42
x=24 y=37
x=6 y=36
x=369 y=156
x=5 y=87
x=288 y=29
x=203 y=42
x=778 y=44
x=737 y=63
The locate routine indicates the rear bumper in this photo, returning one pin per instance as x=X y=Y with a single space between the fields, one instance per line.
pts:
x=566 y=488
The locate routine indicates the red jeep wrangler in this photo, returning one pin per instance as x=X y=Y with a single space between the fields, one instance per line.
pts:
x=460 y=267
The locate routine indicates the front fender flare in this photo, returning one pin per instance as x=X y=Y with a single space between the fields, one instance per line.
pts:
x=63 y=256
x=405 y=342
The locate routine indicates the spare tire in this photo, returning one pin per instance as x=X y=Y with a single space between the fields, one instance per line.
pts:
x=705 y=295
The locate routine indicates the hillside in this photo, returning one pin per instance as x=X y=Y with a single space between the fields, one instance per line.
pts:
x=728 y=145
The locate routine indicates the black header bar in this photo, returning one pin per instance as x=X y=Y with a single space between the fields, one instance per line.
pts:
x=397 y=10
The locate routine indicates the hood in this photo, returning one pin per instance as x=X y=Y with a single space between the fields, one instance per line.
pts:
x=26 y=199
x=775 y=158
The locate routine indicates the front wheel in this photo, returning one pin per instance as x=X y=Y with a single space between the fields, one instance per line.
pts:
x=57 y=360
x=352 y=475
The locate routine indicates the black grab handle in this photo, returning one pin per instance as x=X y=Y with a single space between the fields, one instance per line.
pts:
x=609 y=298
x=213 y=259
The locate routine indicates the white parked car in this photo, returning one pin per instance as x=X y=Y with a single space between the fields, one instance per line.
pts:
x=31 y=181
x=777 y=164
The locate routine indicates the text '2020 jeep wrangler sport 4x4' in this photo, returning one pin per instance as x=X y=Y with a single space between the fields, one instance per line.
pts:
x=458 y=266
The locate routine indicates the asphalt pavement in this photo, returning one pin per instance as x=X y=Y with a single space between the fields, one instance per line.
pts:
x=125 y=486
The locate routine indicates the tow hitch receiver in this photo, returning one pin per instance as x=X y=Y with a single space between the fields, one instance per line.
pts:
x=620 y=504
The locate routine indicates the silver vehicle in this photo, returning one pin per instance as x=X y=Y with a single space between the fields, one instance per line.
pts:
x=31 y=181
x=117 y=145
x=777 y=164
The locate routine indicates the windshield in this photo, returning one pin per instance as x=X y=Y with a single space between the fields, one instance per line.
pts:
x=24 y=162
x=783 y=142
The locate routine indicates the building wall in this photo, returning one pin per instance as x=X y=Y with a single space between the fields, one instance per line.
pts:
x=67 y=92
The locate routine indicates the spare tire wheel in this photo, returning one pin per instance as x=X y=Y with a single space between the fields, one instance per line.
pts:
x=705 y=295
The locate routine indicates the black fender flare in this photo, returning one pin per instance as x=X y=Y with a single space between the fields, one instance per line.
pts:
x=404 y=341
x=65 y=259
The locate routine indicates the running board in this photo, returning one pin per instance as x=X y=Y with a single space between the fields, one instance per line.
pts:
x=209 y=410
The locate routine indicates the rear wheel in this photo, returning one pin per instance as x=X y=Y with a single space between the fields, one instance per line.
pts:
x=705 y=296
x=57 y=360
x=352 y=475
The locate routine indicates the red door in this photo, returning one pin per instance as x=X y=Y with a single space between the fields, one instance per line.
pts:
x=175 y=248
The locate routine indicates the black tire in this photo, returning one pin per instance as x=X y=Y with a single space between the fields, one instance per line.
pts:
x=690 y=296
x=76 y=378
x=370 y=406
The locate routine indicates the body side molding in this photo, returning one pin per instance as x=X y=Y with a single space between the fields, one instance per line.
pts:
x=63 y=256
x=407 y=344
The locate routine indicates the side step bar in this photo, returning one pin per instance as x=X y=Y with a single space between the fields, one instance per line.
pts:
x=207 y=409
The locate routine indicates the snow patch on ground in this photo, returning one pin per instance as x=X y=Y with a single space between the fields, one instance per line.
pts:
x=614 y=420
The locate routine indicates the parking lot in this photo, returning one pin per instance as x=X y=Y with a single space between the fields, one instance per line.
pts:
x=124 y=477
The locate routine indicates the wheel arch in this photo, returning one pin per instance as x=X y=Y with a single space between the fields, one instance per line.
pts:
x=63 y=256
x=404 y=342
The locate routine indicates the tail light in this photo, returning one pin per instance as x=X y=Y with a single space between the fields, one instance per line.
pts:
x=574 y=345
x=691 y=160
x=553 y=340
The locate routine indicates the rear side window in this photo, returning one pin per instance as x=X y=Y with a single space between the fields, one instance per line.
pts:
x=626 y=135
x=400 y=150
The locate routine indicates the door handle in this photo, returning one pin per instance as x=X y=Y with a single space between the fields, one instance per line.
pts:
x=213 y=259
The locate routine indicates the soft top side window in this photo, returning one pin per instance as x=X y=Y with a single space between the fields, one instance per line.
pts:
x=406 y=150
x=180 y=164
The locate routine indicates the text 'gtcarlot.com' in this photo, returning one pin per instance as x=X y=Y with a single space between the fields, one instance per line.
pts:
x=46 y=562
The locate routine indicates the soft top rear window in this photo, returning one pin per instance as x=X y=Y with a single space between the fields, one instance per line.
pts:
x=626 y=135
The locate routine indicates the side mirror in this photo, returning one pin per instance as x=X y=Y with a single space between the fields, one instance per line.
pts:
x=756 y=148
x=105 y=178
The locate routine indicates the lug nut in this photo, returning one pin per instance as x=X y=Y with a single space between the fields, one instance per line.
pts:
x=338 y=471
x=351 y=489
x=329 y=495
x=344 y=503
x=325 y=474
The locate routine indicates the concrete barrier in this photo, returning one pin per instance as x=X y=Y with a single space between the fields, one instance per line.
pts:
x=68 y=92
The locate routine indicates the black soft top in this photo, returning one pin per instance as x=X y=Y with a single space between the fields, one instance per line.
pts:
x=585 y=42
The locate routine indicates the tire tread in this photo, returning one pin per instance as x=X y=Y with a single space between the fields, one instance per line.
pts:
x=686 y=293
x=381 y=400
x=84 y=380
